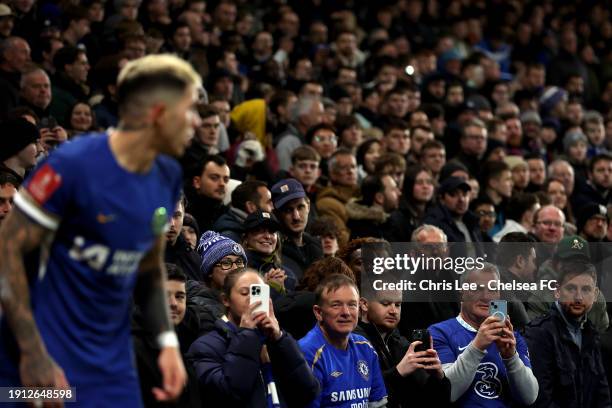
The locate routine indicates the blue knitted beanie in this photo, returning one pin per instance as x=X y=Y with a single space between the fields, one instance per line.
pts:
x=213 y=247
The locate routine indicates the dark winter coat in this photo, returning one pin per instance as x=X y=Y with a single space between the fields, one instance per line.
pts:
x=228 y=366
x=412 y=390
x=568 y=376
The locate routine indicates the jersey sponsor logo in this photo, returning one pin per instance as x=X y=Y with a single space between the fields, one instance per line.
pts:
x=349 y=395
x=488 y=386
x=336 y=374
x=462 y=348
x=44 y=183
x=363 y=369
x=96 y=256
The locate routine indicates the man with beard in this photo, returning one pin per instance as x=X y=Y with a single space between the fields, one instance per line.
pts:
x=369 y=217
x=564 y=345
x=178 y=250
x=451 y=214
x=291 y=207
x=599 y=184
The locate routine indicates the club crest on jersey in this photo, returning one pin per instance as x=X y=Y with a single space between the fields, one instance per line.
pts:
x=363 y=369
x=160 y=218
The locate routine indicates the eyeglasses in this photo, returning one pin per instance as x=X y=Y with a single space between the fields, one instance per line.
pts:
x=483 y=213
x=227 y=264
x=551 y=223
x=328 y=139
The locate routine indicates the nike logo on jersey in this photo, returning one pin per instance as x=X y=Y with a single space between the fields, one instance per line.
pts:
x=105 y=218
x=462 y=348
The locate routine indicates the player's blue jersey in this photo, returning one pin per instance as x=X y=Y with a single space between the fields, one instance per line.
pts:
x=348 y=378
x=490 y=386
x=105 y=220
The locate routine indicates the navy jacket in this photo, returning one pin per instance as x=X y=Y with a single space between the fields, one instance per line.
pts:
x=568 y=376
x=227 y=363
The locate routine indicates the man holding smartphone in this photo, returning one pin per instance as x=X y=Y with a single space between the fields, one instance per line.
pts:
x=412 y=371
x=486 y=361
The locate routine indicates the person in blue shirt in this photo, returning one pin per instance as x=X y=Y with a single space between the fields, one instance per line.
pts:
x=486 y=361
x=95 y=212
x=345 y=363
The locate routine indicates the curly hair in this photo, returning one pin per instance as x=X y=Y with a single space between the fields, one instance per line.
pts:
x=321 y=269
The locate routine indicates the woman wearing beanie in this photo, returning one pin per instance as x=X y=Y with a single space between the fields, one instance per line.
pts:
x=263 y=248
x=248 y=360
x=220 y=255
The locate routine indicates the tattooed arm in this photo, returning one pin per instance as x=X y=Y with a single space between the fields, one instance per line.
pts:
x=150 y=295
x=18 y=236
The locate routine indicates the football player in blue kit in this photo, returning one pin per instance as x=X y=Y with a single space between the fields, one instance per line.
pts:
x=345 y=363
x=486 y=361
x=93 y=215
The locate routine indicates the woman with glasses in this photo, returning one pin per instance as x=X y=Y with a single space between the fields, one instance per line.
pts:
x=263 y=249
x=248 y=360
x=220 y=255
x=417 y=196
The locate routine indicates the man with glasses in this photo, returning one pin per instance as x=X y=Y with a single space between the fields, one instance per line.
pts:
x=473 y=144
x=548 y=224
x=323 y=139
x=564 y=344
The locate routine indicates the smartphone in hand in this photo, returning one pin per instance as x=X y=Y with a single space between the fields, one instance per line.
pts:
x=260 y=292
x=423 y=336
x=499 y=309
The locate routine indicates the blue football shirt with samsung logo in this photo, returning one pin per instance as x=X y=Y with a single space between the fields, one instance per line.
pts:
x=348 y=378
x=105 y=219
x=489 y=387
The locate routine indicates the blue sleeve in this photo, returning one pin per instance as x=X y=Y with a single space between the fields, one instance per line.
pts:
x=442 y=344
x=52 y=185
x=522 y=349
x=378 y=390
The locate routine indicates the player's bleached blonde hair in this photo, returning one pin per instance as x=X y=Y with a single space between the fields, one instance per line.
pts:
x=154 y=73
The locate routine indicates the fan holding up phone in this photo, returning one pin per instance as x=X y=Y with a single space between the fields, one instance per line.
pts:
x=411 y=368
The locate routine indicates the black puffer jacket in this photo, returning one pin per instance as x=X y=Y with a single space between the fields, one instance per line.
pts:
x=228 y=366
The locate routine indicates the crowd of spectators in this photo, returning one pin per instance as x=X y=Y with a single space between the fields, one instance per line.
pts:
x=328 y=125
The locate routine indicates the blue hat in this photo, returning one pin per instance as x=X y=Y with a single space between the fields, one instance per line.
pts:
x=213 y=247
x=285 y=191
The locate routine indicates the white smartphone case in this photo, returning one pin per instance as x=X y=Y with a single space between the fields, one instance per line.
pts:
x=260 y=292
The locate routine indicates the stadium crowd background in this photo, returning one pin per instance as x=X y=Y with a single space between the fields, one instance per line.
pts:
x=350 y=121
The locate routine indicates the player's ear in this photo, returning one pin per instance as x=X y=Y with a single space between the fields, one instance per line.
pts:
x=156 y=112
